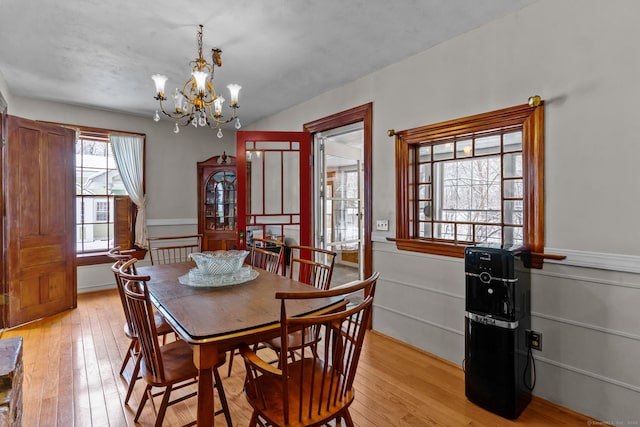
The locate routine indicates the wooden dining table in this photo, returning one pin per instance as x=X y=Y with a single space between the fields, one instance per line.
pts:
x=217 y=319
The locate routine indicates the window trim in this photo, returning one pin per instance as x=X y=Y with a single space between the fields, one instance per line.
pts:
x=92 y=258
x=532 y=121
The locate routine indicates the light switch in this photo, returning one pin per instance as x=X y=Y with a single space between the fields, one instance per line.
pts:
x=382 y=225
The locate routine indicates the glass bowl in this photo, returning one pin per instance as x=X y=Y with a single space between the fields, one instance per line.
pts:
x=219 y=262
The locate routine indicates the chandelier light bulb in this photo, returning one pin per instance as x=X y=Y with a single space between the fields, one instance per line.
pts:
x=201 y=79
x=217 y=105
x=234 y=90
x=177 y=100
x=219 y=133
x=156 y=117
x=159 y=81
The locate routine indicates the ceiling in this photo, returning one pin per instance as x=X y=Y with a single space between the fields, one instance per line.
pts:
x=101 y=54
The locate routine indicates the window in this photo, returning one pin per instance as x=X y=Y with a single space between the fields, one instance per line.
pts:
x=475 y=180
x=102 y=219
x=102 y=211
x=97 y=181
x=344 y=206
x=469 y=188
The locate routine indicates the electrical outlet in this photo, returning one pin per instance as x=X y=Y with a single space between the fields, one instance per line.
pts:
x=535 y=340
x=382 y=225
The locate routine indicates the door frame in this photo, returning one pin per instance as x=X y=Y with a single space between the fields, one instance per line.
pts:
x=362 y=113
x=3 y=281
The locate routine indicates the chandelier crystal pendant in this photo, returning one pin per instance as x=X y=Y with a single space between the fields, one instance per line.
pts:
x=197 y=103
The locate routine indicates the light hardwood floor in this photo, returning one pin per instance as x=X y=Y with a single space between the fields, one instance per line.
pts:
x=72 y=360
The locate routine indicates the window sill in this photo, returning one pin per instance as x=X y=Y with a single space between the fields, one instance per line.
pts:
x=431 y=247
x=533 y=260
x=102 y=258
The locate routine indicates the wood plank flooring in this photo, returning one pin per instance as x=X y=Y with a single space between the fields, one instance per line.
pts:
x=72 y=363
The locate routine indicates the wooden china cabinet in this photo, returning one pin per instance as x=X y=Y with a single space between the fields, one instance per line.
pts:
x=217 y=202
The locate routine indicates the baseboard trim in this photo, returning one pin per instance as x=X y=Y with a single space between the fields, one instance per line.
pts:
x=95 y=288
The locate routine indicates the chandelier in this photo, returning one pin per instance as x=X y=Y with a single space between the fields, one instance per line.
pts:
x=197 y=103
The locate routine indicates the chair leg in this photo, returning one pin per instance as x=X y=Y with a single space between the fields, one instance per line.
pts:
x=131 y=348
x=134 y=378
x=253 y=422
x=347 y=418
x=145 y=396
x=232 y=353
x=163 y=406
x=221 y=395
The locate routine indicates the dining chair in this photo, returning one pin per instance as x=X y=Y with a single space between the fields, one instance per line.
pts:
x=170 y=366
x=312 y=266
x=318 y=387
x=267 y=254
x=172 y=249
x=126 y=264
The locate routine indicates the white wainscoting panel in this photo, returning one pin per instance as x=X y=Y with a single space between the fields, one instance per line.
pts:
x=586 y=308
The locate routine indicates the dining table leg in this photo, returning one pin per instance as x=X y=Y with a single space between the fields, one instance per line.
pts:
x=204 y=358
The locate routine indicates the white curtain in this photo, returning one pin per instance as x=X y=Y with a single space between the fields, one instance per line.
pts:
x=128 y=152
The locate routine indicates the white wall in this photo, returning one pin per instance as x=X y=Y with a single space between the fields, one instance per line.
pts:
x=4 y=90
x=580 y=56
x=171 y=174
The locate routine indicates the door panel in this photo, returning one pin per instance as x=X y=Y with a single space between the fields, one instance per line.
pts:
x=342 y=209
x=40 y=223
x=274 y=184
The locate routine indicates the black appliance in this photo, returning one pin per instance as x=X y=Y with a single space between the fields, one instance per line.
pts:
x=497 y=321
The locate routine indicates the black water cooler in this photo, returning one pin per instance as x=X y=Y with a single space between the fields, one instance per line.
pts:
x=497 y=318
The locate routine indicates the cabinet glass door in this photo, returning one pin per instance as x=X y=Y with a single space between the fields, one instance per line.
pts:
x=220 y=201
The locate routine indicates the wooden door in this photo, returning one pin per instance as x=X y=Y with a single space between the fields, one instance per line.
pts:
x=39 y=196
x=275 y=191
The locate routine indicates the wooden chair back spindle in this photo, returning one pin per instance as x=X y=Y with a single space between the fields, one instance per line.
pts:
x=141 y=310
x=130 y=269
x=266 y=254
x=313 y=266
x=172 y=249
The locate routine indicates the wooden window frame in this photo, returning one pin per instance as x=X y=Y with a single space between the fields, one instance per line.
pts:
x=100 y=257
x=532 y=121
